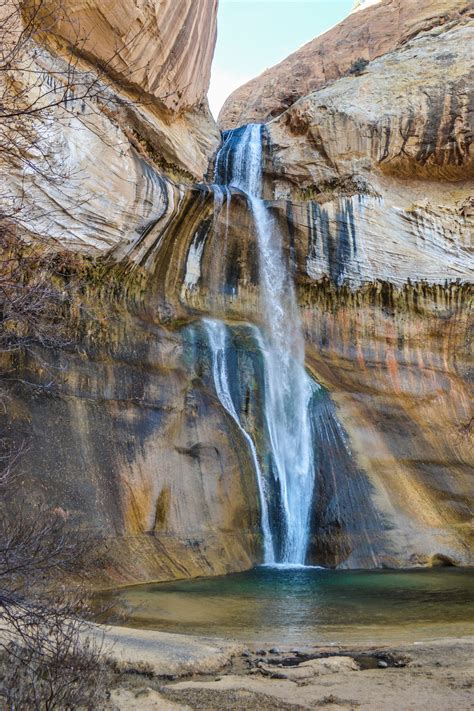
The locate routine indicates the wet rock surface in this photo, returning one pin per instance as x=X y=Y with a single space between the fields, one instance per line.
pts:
x=307 y=670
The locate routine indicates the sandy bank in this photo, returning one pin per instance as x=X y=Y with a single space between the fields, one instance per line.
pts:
x=169 y=671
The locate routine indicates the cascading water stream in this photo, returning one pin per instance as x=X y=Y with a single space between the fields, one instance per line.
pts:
x=288 y=388
x=217 y=337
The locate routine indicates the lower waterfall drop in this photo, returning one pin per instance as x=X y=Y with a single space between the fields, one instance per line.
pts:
x=288 y=388
x=217 y=338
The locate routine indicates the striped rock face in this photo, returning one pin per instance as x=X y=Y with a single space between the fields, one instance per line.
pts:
x=161 y=47
x=147 y=114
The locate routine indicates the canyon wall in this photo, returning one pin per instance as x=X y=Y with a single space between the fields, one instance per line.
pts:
x=115 y=97
x=127 y=441
x=380 y=175
x=163 y=50
x=370 y=180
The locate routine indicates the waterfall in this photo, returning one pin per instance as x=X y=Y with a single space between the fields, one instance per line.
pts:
x=288 y=388
x=217 y=337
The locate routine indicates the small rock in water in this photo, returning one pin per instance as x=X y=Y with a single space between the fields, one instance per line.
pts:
x=275 y=650
x=246 y=654
x=382 y=664
x=261 y=652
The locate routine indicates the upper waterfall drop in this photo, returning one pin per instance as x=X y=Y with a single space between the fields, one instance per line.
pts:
x=288 y=388
x=239 y=161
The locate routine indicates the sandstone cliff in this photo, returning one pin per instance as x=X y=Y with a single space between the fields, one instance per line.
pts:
x=123 y=86
x=369 y=179
x=162 y=49
x=367 y=34
x=390 y=147
x=379 y=173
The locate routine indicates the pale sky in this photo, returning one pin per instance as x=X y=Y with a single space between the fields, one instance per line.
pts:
x=255 y=34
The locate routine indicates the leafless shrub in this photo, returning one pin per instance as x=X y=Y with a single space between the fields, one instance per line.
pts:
x=33 y=297
x=50 y=656
x=69 y=675
x=50 y=659
x=31 y=294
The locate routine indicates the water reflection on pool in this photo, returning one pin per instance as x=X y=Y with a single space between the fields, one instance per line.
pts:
x=307 y=605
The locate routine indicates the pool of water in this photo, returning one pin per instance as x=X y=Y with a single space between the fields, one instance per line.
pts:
x=307 y=606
